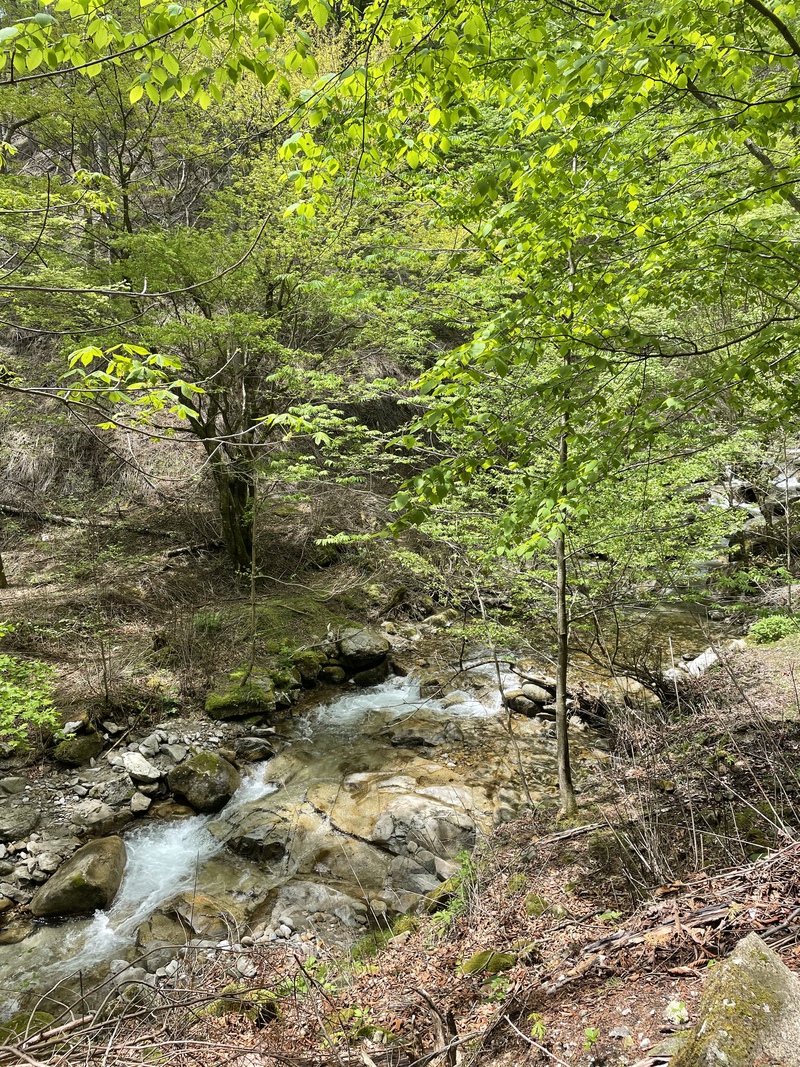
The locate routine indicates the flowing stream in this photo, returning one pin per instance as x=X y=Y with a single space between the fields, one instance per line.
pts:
x=345 y=740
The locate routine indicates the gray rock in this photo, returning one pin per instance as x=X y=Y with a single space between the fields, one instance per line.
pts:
x=17 y=820
x=360 y=648
x=140 y=803
x=536 y=693
x=14 y=784
x=88 y=880
x=15 y=893
x=749 y=1012
x=372 y=675
x=177 y=753
x=99 y=818
x=206 y=781
x=140 y=769
x=150 y=746
x=253 y=749
x=407 y=874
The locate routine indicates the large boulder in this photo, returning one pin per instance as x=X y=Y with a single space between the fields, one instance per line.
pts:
x=243 y=695
x=206 y=781
x=749 y=1013
x=80 y=749
x=360 y=648
x=88 y=880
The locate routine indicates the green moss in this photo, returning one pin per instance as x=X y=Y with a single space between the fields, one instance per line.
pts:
x=405 y=924
x=733 y=1016
x=489 y=962
x=24 y=1024
x=515 y=883
x=257 y=1005
x=239 y=700
x=535 y=905
x=444 y=894
x=75 y=751
x=370 y=945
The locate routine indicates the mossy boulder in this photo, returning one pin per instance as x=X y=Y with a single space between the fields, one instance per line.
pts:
x=242 y=696
x=360 y=648
x=749 y=1013
x=24 y=1025
x=79 y=749
x=443 y=895
x=258 y=1005
x=206 y=781
x=308 y=663
x=86 y=882
x=489 y=962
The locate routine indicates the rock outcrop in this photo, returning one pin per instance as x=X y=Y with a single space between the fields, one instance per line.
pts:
x=88 y=880
x=749 y=1013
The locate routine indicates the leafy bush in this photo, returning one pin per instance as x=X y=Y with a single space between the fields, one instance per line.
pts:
x=25 y=695
x=773 y=628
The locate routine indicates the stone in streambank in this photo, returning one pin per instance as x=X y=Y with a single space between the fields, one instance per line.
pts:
x=360 y=648
x=206 y=782
x=75 y=751
x=88 y=880
x=255 y=696
x=749 y=1013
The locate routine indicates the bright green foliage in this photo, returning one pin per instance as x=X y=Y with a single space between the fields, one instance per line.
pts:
x=773 y=628
x=25 y=696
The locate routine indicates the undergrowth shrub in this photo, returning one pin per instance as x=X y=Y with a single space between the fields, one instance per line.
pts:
x=25 y=696
x=773 y=628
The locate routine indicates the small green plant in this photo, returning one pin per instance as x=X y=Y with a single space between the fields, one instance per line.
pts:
x=591 y=1033
x=208 y=622
x=460 y=886
x=773 y=628
x=538 y=1029
x=25 y=696
x=496 y=987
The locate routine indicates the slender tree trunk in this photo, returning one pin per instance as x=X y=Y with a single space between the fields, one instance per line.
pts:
x=3 y=579
x=565 y=788
x=235 y=506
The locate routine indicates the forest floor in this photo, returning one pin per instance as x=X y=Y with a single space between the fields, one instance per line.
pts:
x=603 y=926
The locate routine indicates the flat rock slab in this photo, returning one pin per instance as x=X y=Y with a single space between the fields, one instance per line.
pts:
x=749 y=1013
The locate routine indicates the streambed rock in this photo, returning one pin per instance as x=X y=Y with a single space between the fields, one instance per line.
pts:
x=360 y=648
x=206 y=781
x=79 y=749
x=17 y=820
x=87 y=881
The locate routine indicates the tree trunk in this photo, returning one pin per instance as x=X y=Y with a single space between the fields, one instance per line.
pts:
x=236 y=512
x=565 y=788
x=3 y=579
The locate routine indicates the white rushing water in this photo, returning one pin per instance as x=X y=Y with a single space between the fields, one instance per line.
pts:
x=396 y=698
x=164 y=859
